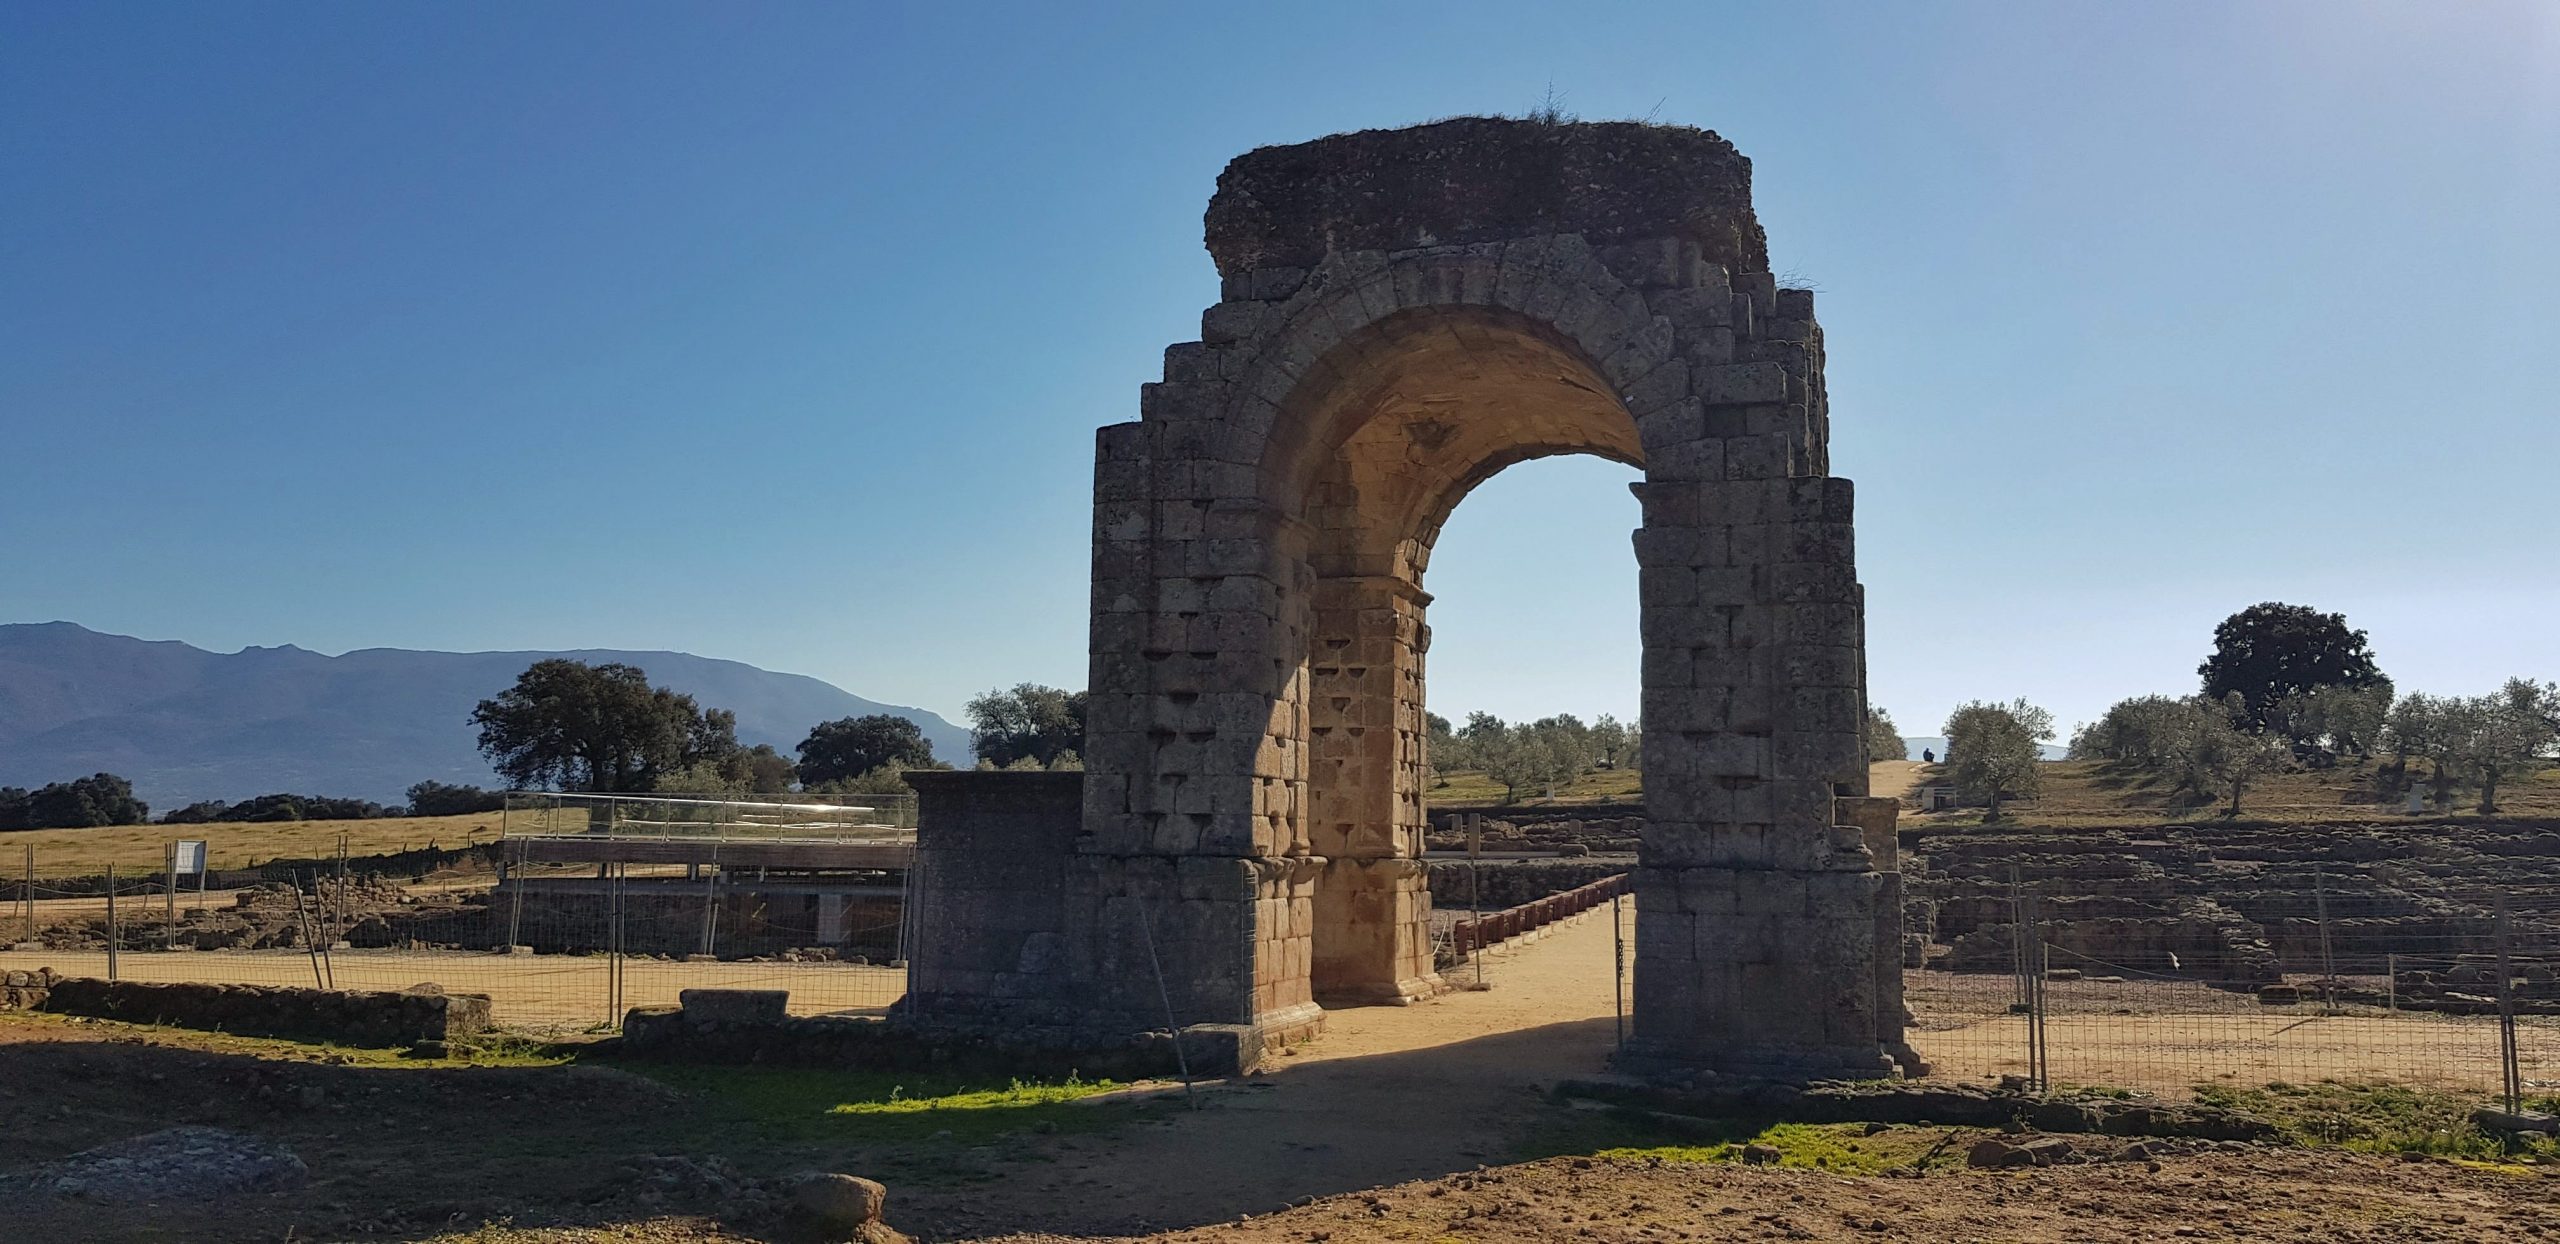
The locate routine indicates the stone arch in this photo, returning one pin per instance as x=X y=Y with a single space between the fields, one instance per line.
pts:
x=1403 y=314
x=1381 y=436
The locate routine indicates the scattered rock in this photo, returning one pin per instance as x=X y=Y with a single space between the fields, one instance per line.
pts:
x=178 y=1163
x=843 y=1207
x=1997 y=1154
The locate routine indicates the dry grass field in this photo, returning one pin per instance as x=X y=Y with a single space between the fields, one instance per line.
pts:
x=2081 y=793
x=1469 y=787
x=2088 y=794
x=144 y=848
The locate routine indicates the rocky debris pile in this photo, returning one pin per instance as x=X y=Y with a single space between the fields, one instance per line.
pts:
x=708 y=1184
x=1561 y=833
x=27 y=991
x=2025 y=1149
x=180 y=1163
x=375 y=912
x=2469 y=986
x=356 y=1017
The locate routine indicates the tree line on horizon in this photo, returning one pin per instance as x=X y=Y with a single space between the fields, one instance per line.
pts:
x=2285 y=687
x=1530 y=755
x=571 y=726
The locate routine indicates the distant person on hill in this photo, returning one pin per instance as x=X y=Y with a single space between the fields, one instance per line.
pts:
x=1928 y=757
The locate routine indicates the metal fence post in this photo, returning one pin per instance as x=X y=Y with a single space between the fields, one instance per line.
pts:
x=1618 y=931
x=2017 y=939
x=2031 y=937
x=515 y=914
x=338 y=906
x=2510 y=1070
x=169 y=885
x=2328 y=962
x=310 y=926
x=617 y=903
x=711 y=904
x=113 y=934
x=1475 y=894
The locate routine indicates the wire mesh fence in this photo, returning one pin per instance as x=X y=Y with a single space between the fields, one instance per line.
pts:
x=2301 y=979
x=2295 y=978
x=556 y=946
x=785 y=816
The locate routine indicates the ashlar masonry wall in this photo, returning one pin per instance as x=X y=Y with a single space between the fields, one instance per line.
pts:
x=1405 y=314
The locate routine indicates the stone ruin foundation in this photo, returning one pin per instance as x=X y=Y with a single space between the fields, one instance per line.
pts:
x=2243 y=907
x=1404 y=314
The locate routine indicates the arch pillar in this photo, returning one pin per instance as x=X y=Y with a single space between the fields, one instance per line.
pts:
x=1365 y=739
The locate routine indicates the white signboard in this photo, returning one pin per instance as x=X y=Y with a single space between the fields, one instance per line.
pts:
x=187 y=857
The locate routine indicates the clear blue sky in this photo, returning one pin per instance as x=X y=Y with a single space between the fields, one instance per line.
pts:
x=779 y=332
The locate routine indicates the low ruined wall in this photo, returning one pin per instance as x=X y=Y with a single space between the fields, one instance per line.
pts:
x=354 y=1017
x=2237 y=904
x=664 y=916
x=26 y=991
x=1493 y=928
x=1574 y=829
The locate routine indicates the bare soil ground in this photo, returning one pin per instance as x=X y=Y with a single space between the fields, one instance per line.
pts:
x=1397 y=1124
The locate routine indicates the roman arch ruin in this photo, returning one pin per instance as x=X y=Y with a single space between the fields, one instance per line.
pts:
x=1404 y=314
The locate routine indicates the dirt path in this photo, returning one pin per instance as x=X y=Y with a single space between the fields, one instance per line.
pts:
x=1387 y=1094
x=2261 y=1195
x=1893 y=778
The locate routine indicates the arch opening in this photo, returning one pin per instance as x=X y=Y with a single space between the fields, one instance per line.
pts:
x=1408 y=418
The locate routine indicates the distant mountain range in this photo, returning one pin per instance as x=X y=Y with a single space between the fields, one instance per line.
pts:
x=186 y=724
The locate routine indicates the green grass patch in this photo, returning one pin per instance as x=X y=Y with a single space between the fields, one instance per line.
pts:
x=2376 y=1118
x=1014 y=1096
x=806 y=1104
x=1627 y=1135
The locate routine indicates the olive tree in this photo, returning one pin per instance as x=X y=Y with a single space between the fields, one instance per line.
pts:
x=1993 y=750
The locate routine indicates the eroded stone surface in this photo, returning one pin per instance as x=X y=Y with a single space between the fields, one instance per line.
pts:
x=1406 y=313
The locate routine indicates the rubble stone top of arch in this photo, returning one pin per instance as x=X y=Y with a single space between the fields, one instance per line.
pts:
x=1479 y=179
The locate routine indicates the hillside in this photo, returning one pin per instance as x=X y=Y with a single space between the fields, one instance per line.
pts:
x=2095 y=794
x=186 y=724
x=2081 y=793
